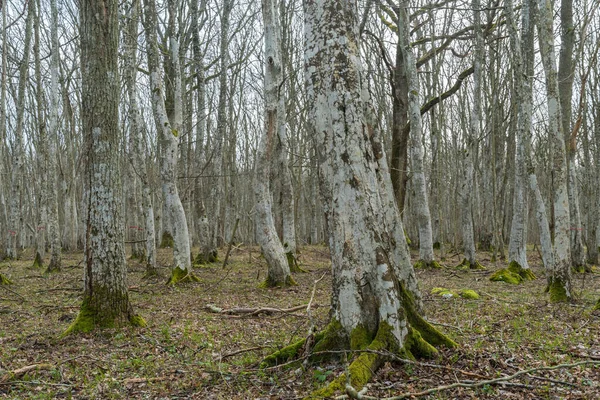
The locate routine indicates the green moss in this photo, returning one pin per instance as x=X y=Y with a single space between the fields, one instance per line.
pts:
x=166 y=240
x=505 y=275
x=416 y=346
x=360 y=338
x=270 y=283
x=293 y=263
x=557 y=290
x=179 y=275
x=464 y=293
x=4 y=280
x=597 y=306
x=466 y=264
x=525 y=274
x=469 y=294
x=427 y=265
x=427 y=331
x=38 y=261
x=203 y=258
x=90 y=318
x=408 y=241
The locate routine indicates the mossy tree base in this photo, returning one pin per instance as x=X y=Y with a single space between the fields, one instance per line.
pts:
x=525 y=273
x=179 y=275
x=466 y=264
x=427 y=264
x=53 y=267
x=293 y=263
x=505 y=275
x=89 y=319
x=203 y=259
x=38 y=261
x=558 y=291
x=4 y=280
x=151 y=273
x=166 y=241
x=419 y=342
x=270 y=283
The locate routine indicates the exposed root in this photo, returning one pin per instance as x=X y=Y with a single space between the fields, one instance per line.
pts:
x=466 y=264
x=524 y=273
x=179 y=275
x=506 y=275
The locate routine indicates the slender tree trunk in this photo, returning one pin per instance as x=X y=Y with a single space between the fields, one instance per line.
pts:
x=560 y=280
x=468 y=189
x=137 y=149
x=266 y=235
x=16 y=182
x=105 y=298
x=517 y=250
x=182 y=266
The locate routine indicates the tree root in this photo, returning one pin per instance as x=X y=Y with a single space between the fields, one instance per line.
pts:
x=4 y=280
x=179 y=275
x=466 y=264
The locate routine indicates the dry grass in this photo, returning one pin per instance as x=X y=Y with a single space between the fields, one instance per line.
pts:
x=186 y=352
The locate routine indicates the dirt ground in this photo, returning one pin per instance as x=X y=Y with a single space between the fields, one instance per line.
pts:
x=188 y=352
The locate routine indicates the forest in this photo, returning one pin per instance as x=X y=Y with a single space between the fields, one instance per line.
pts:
x=284 y=199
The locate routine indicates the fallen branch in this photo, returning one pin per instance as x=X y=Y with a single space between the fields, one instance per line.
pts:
x=17 y=373
x=131 y=381
x=352 y=393
x=251 y=311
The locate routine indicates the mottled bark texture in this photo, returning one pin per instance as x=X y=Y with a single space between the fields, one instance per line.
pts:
x=278 y=269
x=375 y=299
x=105 y=297
x=559 y=282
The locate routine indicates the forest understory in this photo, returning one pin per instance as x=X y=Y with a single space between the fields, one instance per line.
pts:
x=188 y=351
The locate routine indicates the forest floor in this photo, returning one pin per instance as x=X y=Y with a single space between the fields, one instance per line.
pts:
x=188 y=352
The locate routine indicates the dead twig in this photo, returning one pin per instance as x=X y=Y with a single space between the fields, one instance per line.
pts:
x=251 y=311
x=235 y=353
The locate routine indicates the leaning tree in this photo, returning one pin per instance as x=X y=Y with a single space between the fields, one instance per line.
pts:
x=376 y=303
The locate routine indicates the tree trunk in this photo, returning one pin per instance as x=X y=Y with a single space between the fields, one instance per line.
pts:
x=168 y=134
x=105 y=298
x=17 y=171
x=560 y=279
x=468 y=189
x=266 y=235
x=373 y=304
x=137 y=156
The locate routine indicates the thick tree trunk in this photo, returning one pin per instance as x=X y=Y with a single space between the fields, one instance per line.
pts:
x=560 y=280
x=266 y=235
x=105 y=298
x=373 y=304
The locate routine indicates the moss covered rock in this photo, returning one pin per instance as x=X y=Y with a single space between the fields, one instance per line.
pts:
x=464 y=293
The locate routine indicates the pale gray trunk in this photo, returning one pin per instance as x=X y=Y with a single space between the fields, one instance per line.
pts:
x=419 y=186
x=137 y=156
x=105 y=298
x=16 y=213
x=517 y=247
x=168 y=135
x=560 y=280
x=3 y=83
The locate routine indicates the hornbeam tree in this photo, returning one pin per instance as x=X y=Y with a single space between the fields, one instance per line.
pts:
x=375 y=300
x=168 y=134
x=559 y=282
x=105 y=297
